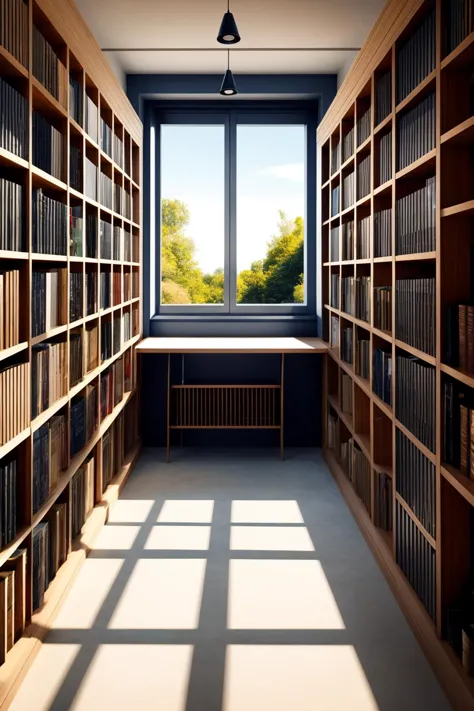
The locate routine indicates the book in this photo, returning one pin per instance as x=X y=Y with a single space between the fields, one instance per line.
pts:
x=383 y=96
x=12 y=216
x=14 y=398
x=48 y=308
x=416 y=56
x=48 y=69
x=7 y=613
x=17 y=565
x=13 y=119
x=48 y=147
x=416 y=481
x=50 y=224
x=14 y=29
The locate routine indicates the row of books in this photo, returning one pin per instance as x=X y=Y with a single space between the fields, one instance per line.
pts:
x=76 y=296
x=91 y=344
x=82 y=495
x=415 y=313
x=91 y=292
x=363 y=238
x=105 y=137
x=333 y=431
x=334 y=244
x=91 y=235
x=106 y=340
x=14 y=399
x=91 y=172
x=13 y=120
x=335 y=158
x=75 y=168
x=14 y=29
x=334 y=299
x=49 y=458
x=9 y=486
x=111 y=388
x=50 y=549
x=12 y=601
x=48 y=308
x=457 y=22
x=363 y=291
x=50 y=223
x=416 y=220
x=383 y=233
x=416 y=132
x=362 y=358
x=385 y=158
x=9 y=308
x=416 y=558
x=383 y=307
x=334 y=335
x=346 y=393
x=117 y=334
x=106 y=191
x=382 y=374
x=415 y=398
x=135 y=320
x=416 y=481
x=416 y=57
x=383 y=96
x=348 y=144
x=348 y=240
x=48 y=68
x=459 y=350
x=105 y=231
x=348 y=190
x=48 y=375
x=347 y=295
x=119 y=151
x=383 y=501
x=113 y=450
x=11 y=216
x=357 y=467
x=75 y=359
x=363 y=127
x=458 y=433
x=75 y=100
x=92 y=119
x=347 y=338
x=363 y=178
x=48 y=147
x=117 y=288
x=83 y=418
x=335 y=201
x=105 y=290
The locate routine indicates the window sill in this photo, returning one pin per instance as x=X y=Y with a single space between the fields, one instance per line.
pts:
x=298 y=325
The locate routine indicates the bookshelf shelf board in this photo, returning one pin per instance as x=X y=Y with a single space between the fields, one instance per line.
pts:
x=416 y=257
x=386 y=537
x=427 y=452
x=52 y=410
x=415 y=352
x=326 y=222
x=76 y=260
x=40 y=257
x=11 y=444
x=415 y=520
x=86 y=380
x=43 y=179
x=76 y=193
x=420 y=168
x=381 y=260
x=105 y=156
x=10 y=66
x=134 y=224
x=9 y=254
x=460 y=135
x=462 y=56
x=461 y=375
x=386 y=122
x=91 y=142
x=10 y=159
x=364 y=200
x=134 y=184
x=385 y=188
x=347 y=262
x=326 y=184
x=464 y=207
x=365 y=145
x=387 y=335
x=462 y=483
x=382 y=405
x=13 y=350
x=363 y=441
x=361 y=382
x=347 y=163
x=45 y=101
x=362 y=261
x=384 y=469
x=74 y=126
x=91 y=260
x=9 y=549
x=49 y=334
x=423 y=88
x=347 y=211
x=345 y=417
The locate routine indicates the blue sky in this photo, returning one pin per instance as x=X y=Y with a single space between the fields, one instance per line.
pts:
x=270 y=176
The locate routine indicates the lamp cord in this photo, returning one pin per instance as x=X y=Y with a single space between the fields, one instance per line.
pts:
x=228 y=59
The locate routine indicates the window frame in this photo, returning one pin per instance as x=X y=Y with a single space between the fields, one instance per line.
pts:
x=245 y=113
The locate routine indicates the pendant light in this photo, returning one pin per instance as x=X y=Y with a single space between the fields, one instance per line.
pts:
x=228 y=87
x=228 y=32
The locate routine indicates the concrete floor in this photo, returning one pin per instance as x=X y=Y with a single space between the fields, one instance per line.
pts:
x=230 y=583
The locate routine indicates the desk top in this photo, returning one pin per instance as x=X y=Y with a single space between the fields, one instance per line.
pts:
x=232 y=345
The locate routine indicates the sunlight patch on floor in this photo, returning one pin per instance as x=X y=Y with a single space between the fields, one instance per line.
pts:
x=130 y=510
x=186 y=511
x=266 y=512
x=191 y=538
x=270 y=538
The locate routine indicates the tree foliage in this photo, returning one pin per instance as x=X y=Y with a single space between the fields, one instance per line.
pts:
x=277 y=279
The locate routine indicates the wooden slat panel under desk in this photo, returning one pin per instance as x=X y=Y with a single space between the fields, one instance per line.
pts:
x=231 y=345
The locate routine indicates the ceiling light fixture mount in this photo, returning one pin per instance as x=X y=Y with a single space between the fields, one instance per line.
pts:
x=228 y=86
x=228 y=32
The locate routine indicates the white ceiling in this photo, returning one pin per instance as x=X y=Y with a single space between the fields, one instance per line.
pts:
x=336 y=26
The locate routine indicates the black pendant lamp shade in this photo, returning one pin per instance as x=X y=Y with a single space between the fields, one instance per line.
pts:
x=228 y=87
x=228 y=32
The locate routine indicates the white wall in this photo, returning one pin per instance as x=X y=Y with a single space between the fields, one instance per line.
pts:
x=117 y=69
x=345 y=68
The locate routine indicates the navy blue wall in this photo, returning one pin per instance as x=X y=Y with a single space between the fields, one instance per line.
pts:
x=302 y=372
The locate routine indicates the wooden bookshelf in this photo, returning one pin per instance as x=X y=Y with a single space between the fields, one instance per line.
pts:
x=63 y=27
x=452 y=544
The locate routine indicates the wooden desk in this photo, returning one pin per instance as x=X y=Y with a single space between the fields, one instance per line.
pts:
x=195 y=407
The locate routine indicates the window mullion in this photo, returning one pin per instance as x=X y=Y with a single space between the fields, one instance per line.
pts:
x=233 y=213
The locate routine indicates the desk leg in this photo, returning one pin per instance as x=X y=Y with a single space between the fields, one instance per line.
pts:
x=168 y=403
x=282 y=406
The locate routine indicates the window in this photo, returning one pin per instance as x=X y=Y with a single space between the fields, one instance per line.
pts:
x=236 y=236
